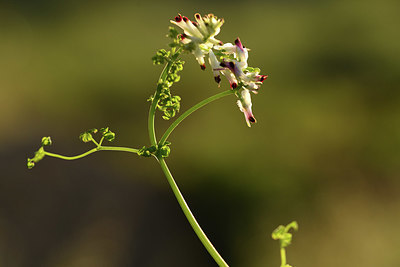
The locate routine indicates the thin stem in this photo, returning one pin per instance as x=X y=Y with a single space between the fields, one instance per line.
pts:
x=70 y=157
x=94 y=141
x=192 y=220
x=118 y=148
x=283 y=257
x=100 y=148
x=191 y=110
x=101 y=141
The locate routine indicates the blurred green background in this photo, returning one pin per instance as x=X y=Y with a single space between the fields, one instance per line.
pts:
x=325 y=150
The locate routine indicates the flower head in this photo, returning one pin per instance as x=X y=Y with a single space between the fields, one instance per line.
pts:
x=199 y=35
x=233 y=65
x=228 y=59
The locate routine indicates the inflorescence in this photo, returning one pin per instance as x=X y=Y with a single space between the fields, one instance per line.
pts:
x=228 y=59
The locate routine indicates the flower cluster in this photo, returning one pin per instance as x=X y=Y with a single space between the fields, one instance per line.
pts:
x=228 y=59
x=199 y=35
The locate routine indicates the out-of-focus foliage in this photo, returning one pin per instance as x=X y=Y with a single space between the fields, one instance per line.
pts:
x=325 y=150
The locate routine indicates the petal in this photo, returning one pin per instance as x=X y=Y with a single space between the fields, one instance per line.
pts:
x=192 y=29
x=227 y=48
x=214 y=65
x=241 y=51
x=202 y=27
x=186 y=25
x=244 y=104
x=199 y=55
x=231 y=78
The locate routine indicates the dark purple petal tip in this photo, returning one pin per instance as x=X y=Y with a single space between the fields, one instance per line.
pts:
x=178 y=18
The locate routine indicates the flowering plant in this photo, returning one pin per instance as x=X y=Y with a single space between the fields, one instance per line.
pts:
x=226 y=59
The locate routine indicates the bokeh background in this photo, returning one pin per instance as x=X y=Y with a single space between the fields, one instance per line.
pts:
x=325 y=150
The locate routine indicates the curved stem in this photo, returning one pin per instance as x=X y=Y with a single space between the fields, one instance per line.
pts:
x=100 y=148
x=70 y=157
x=191 y=110
x=192 y=220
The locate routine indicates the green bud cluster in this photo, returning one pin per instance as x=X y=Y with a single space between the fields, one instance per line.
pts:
x=161 y=56
x=39 y=155
x=282 y=234
x=174 y=35
x=107 y=134
x=147 y=151
x=168 y=103
x=87 y=136
x=158 y=150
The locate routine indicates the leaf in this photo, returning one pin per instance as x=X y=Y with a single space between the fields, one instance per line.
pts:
x=282 y=234
x=46 y=141
x=107 y=134
x=86 y=137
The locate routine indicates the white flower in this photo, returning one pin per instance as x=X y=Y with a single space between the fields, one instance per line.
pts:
x=200 y=34
x=230 y=60
x=216 y=66
x=236 y=62
x=240 y=53
x=235 y=68
x=245 y=104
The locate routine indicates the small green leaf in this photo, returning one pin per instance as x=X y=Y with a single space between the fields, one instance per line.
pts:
x=173 y=33
x=165 y=150
x=46 y=141
x=282 y=234
x=161 y=56
x=147 y=151
x=86 y=137
x=107 y=134
x=30 y=163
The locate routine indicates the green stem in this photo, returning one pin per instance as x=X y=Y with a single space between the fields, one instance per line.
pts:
x=192 y=220
x=101 y=141
x=191 y=110
x=100 y=148
x=94 y=142
x=118 y=148
x=70 y=157
x=283 y=257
